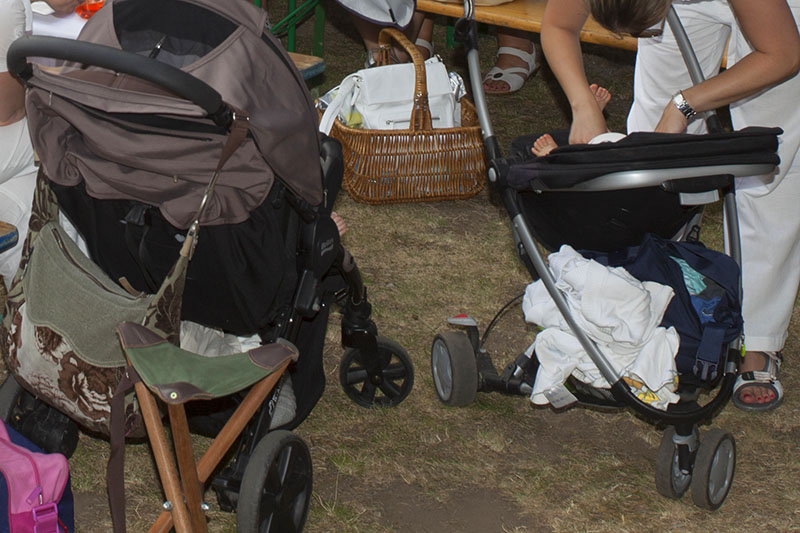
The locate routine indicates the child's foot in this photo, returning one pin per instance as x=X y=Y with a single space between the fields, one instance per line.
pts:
x=341 y=225
x=601 y=95
x=543 y=145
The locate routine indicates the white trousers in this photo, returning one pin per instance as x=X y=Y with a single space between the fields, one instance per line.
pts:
x=768 y=206
x=17 y=182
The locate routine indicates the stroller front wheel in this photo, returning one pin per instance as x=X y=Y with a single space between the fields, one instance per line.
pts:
x=382 y=383
x=671 y=481
x=276 y=487
x=713 y=469
x=454 y=368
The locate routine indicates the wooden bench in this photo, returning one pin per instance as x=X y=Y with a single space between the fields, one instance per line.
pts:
x=525 y=15
x=309 y=66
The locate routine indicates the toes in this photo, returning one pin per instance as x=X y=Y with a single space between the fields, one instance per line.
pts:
x=757 y=395
x=496 y=86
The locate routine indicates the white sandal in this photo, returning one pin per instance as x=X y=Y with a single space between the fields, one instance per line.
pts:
x=515 y=77
x=426 y=45
x=766 y=378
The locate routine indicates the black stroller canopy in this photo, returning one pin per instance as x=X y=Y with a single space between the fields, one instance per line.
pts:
x=571 y=165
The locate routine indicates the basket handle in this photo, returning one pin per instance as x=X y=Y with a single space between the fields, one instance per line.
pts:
x=420 y=111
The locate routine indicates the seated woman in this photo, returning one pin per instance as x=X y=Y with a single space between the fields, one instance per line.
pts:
x=17 y=170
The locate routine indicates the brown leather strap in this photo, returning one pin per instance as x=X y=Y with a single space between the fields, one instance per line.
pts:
x=115 y=471
x=237 y=135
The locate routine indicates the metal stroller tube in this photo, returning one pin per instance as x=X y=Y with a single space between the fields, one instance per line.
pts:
x=466 y=32
x=175 y=80
x=692 y=64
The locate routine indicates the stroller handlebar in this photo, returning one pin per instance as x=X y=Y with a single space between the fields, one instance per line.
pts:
x=173 y=79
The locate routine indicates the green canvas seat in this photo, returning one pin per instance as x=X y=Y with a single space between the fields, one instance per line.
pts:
x=177 y=375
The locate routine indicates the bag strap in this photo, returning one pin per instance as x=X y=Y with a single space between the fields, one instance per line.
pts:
x=707 y=358
x=420 y=111
x=332 y=111
x=115 y=470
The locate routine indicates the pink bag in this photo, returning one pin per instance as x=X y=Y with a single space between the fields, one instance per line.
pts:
x=36 y=481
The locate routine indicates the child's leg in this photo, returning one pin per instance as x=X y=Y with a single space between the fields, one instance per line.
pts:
x=545 y=144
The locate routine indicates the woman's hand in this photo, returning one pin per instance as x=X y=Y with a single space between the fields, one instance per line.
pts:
x=672 y=120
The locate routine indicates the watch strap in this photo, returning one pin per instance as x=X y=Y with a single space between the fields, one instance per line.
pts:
x=683 y=106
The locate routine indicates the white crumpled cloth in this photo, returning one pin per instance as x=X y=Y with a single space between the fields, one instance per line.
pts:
x=620 y=313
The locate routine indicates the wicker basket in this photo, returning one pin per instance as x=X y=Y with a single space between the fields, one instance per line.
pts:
x=417 y=164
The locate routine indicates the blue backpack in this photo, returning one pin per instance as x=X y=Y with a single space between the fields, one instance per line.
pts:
x=708 y=320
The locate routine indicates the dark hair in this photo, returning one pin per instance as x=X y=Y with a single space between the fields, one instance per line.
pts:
x=628 y=16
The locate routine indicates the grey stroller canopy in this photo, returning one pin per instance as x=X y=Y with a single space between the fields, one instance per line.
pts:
x=130 y=139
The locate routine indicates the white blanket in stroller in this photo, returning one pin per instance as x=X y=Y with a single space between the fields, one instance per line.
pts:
x=620 y=313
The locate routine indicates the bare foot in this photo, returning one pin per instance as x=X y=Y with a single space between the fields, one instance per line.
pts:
x=341 y=225
x=754 y=394
x=543 y=145
x=601 y=95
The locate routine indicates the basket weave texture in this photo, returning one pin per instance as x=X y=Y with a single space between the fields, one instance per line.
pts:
x=417 y=164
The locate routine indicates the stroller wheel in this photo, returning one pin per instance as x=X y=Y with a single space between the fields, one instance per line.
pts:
x=276 y=487
x=455 y=370
x=386 y=384
x=713 y=469
x=671 y=482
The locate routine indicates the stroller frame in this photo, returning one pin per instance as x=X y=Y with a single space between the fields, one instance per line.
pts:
x=461 y=366
x=371 y=366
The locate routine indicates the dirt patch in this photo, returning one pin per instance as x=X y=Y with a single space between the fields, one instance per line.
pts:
x=410 y=509
x=91 y=510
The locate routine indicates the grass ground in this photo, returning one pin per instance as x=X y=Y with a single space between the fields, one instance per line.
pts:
x=499 y=465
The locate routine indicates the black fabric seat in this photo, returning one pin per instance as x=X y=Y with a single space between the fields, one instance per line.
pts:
x=570 y=165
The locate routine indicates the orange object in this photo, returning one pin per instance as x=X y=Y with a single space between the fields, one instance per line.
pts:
x=89 y=8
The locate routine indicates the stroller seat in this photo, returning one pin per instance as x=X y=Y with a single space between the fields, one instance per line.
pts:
x=606 y=196
x=643 y=155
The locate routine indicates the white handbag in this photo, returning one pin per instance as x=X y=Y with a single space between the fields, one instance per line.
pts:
x=382 y=98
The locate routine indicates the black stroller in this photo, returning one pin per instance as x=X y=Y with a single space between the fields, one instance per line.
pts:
x=606 y=197
x=180 y=130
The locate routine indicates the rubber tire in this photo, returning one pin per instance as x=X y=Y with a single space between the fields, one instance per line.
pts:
x=714 y=468
x=670 y=482
x=9 y=393
x=453 y=348
x=394 y=382
x=281 y=464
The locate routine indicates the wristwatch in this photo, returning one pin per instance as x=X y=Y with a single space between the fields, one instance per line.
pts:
x=683 y=106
